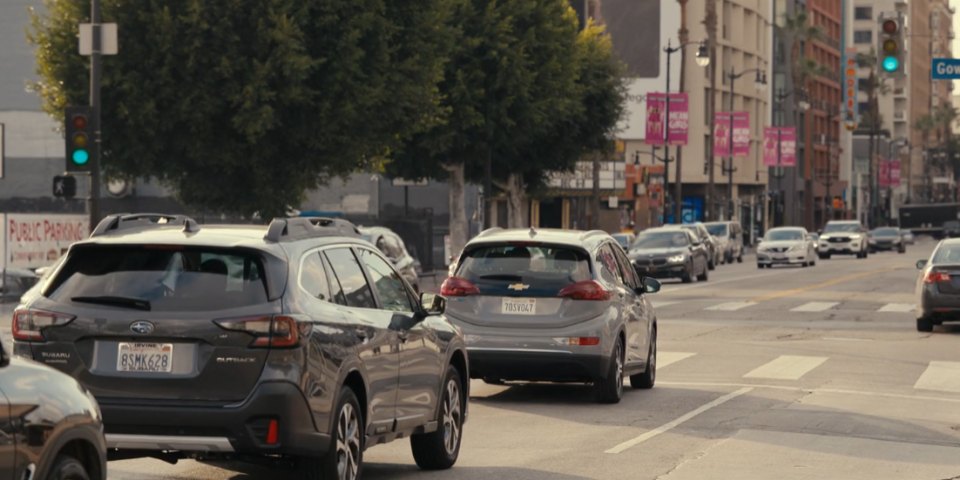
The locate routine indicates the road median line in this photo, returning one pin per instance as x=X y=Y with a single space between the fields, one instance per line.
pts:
x=817 y=286
x=673 y=424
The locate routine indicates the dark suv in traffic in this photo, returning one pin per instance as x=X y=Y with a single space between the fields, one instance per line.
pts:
x=296 y=341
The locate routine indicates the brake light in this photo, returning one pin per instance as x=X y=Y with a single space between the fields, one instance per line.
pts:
x=458 y=287
x=583 y=341
x=28 y=325
x=586 y=290
x=273 y=432
x=936 y=277
x=278 y=331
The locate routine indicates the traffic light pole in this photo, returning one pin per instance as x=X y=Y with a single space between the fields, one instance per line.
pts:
x=95 y=67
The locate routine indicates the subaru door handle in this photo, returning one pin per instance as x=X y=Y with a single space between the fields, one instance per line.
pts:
x=361 y=334
x=402 y=335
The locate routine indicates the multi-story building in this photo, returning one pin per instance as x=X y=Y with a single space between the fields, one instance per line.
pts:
x=743 y=47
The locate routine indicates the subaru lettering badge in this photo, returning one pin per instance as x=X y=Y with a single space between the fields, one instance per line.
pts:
x=518 y=287
x=142 y=327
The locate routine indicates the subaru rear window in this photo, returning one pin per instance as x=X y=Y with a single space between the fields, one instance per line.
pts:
x=524 y=270
x=160 y=278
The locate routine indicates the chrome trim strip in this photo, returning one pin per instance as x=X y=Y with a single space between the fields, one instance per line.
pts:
x=522 y=350
x=168 y=442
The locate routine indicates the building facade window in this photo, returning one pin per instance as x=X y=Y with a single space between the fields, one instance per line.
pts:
x=863 y=13
x=863 y=36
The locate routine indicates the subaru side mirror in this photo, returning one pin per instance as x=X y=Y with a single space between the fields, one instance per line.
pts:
x=433 y=304
x=651 y=285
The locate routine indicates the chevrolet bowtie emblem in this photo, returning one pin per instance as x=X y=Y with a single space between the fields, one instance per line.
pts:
x=519 y=287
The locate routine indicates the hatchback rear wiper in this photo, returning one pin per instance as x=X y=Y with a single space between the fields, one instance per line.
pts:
x=501 y=276
x=138 y=303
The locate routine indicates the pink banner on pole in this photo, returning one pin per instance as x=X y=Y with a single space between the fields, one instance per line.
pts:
x=656 y=106
x=721 y=134
x=771 y=145
x=782 y=139
x=788 y=146
x=679 y=119
x=889 y=174
x=741 y=133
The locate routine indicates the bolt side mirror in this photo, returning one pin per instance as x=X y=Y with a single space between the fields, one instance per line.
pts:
x=432 y=304
x=4 y=355
x=921 y=264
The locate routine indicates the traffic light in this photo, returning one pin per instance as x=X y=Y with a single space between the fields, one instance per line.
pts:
x=890 y=47
x=79 y=138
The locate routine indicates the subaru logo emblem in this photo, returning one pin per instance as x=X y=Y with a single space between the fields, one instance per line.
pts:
x=142 y=327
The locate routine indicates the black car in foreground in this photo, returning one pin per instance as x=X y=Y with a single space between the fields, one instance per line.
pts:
x=938 y=286
x=296 y=343
x=670 y=252
x=50 y=427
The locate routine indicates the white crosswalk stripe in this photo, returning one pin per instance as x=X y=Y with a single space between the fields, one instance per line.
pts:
x=669 y=358
x=942 y=376
x=814 y=307
x=662 y=303
x=786 y=367
x=898 y=307
x=731 y=306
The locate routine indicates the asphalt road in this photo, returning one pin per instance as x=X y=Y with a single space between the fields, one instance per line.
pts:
x=790 y=373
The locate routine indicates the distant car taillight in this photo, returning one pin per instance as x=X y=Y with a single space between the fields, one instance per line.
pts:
x=458 y=287
x=277 y=331
x=936 y=277
x=28 y=325
x=586 y=290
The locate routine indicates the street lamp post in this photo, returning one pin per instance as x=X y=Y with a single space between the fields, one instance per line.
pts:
x=761 y=81
x=703 y=59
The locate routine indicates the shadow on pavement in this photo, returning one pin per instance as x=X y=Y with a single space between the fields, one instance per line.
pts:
x=385 y=471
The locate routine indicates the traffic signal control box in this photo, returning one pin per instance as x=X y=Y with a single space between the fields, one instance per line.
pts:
x=79 y=129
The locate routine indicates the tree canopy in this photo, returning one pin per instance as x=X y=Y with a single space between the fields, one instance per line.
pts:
x=243 y=105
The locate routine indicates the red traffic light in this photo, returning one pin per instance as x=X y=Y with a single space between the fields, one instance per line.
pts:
x=79 y=122
x=890 y=27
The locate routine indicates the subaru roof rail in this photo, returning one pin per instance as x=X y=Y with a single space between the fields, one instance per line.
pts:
x=125 y=221
x=299 y=228
x=488 y=232
x=591 y=233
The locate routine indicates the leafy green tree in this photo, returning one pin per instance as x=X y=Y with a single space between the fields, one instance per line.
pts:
x=243 y=105
x=516 y=91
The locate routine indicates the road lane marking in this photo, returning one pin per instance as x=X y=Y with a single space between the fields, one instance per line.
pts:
x=673 y=424
x=815 y=306
x=668 y=289
x=836 y=281
x=786 y=367
x=788 y=388
x=898 y=308
x=847 y=339
x=941 y=376
x=669 y=358
x=731 y=306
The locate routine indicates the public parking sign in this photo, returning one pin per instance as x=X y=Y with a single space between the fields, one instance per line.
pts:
x=945 y=69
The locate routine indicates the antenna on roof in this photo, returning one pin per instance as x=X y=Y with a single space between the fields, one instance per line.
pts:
x=533 y=231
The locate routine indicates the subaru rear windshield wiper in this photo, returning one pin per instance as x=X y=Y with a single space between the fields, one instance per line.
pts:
x=130 y=302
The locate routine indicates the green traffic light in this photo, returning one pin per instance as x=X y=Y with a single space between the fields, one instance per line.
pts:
x=890 y=64
x=80 y=157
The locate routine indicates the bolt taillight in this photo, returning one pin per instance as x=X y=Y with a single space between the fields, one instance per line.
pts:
x=269 y=331
x=586 y=290
x=28 y=324
x=936 y=277
x=458 y=287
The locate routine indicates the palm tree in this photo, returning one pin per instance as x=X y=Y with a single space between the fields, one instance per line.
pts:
x=798 y=30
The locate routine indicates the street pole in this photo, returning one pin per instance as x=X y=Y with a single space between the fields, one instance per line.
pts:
x=730 y=168
x=684 y=40
x=710 y=22
x=666 y=140
x=95 y=67
x=779 y=175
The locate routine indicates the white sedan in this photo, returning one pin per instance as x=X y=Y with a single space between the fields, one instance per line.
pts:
x=787 y=246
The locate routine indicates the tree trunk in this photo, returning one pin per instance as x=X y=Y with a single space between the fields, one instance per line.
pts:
x=458 y=210
x=515 y=202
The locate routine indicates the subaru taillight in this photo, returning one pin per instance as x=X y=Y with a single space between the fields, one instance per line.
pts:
x=586 y=290
x=936 y=277
x=28 y=324
x=269 y=331
x=458 y=287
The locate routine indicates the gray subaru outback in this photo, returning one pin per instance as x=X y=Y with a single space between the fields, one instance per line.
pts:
x=554 y=305
x=296 y=342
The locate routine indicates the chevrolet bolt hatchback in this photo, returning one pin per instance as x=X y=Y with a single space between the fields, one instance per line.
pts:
x=556 y=306
x=296 y=342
